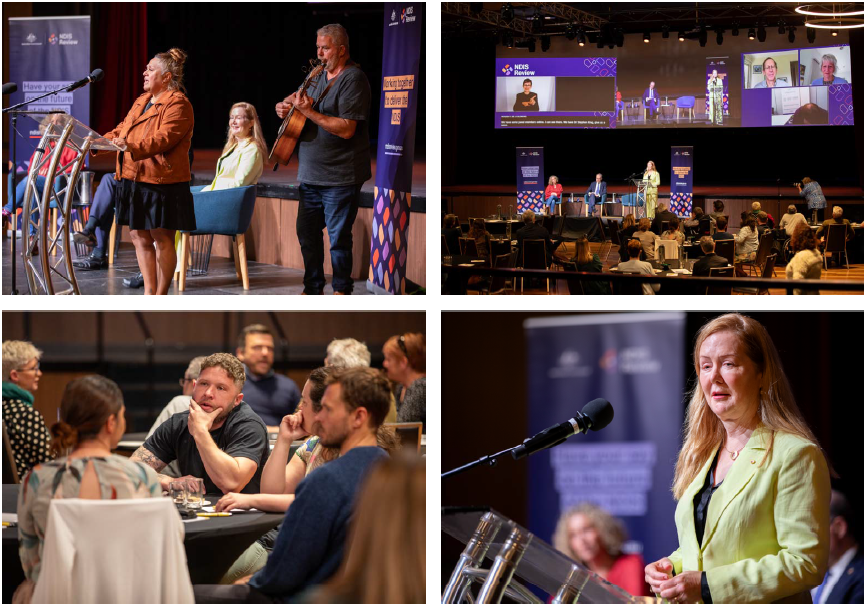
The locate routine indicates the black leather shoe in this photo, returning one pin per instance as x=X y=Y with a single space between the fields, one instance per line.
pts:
x=91 y=262
x=136 y=281
x=84 y=237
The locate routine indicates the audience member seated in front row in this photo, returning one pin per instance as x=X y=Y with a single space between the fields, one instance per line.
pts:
x=807 y=262
x=647 y=238
x=636 y=266
x=219 y=439
x=91 y=424
x=721 y=227
x=397 y=574
x=28 y=436
x=178 y=404
x=404 y=361
x=746 y=243
x=590 y=262
x=311 y=541
x=452 y=232
x=703 y=266
x=282 y=473
x=791 y=220
x=271 y=395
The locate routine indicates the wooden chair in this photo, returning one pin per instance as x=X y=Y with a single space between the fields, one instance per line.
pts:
x=720 y=272
x=10 y=469
x=534 y=257
x=767 y=272
x=835 y=243
x=468 y=247
x=766 y=244
x=409 y=434
x=498 y=283
x=726 y=249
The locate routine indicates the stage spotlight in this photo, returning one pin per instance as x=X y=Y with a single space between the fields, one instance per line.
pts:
x=811 y=35
x=665 y=30
x=508 y=41
x=833 y=32
x=719 y=36
x=537 y=22
x=581 y=37
x=570 y=31
x=618 y=37
x=546 y=43
x=762 y=33
x=680 y=36
x=752 y=34
x=646 y=37
x=791 y=34
x=531 y=45
x=702 y=35
x=507 y=12
x=781 y=27
x=735 y=30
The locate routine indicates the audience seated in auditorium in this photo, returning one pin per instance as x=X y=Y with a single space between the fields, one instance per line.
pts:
x=396 y=575
x=673 y=232
x=647 y=238
x=220 y=439
x=718 y=210
x=91 y=424
x=636 y=266
x=696 y=216
x=311 y=541
x=482 y=238
x=25 y=427
x=662 y=214
x=452 y=231
x=405 y=364
x=721 y=233
x=762 y=218
x=807 y=262
x=845 y=581
x=757 y=208
x=746 y=243
x=590 y=262
x=791 y=219
x=350 y=353
x=627 y=230
x=590 y=535
x=836 y=219
x=533 y=231
x=271 y=395
x=178 y=404
x=703 y=266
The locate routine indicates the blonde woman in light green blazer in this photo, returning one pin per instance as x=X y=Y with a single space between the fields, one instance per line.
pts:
x=243 y=157
x=752 y=483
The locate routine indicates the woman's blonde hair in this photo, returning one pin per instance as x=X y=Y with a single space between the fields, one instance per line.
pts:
x=653 y=163
x=173 y=62
x=16 y=354
x=384 y=560
x=777 y=410
x=255 y=130
x=582 y=252
x=556 y=180
x=611 y=530
x=628 y=221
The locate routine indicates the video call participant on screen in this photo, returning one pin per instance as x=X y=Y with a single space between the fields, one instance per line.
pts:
x=595 y=193
x=528 y=101
x=769 y=69
x=651 y=99
x=809 y=113
x=829 y=68
x=714 y=95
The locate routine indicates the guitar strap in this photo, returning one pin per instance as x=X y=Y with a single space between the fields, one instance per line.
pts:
x=325 y=92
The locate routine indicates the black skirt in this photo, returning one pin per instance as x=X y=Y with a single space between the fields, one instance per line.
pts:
x=147 y=206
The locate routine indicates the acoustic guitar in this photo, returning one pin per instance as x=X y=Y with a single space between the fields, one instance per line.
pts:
x=293 y=123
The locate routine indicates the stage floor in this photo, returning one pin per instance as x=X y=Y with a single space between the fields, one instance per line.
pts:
x=221 y=279
x=721 y=190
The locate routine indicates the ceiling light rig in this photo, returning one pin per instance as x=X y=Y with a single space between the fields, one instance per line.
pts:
x=831 y=20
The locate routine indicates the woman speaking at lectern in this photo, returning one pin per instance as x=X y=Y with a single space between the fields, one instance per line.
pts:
x=752 y=482
x=651 y=175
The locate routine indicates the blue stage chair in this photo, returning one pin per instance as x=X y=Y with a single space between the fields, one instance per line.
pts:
x=686 y=103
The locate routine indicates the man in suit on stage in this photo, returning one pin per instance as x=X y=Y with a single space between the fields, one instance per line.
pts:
x=703 y=266
x=595 y=194
x=651 y=100
x=844 y=583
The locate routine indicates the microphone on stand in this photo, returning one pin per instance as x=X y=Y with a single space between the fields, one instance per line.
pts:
x=593 y=417
x=95 y=76
x=9 y=88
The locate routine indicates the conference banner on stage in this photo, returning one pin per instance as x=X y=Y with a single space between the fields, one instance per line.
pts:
x=47 y=53
x=636 y=362
x=392 y=191
x=681 y=180
x=531 y=178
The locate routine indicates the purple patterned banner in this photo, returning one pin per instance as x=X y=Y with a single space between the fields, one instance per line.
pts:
x=840 y=105
x=681 y=180
x=402 y=34
x=531 y=178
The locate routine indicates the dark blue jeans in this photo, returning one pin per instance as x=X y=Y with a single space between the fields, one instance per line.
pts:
x=333 y=208
x=102 y=210
x=19 y=199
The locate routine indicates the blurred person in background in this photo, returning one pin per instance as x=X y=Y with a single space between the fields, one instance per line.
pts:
x=25 y=427
x=405 y=364
x=271 y=395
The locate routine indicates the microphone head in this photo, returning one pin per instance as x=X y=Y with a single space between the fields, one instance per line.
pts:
x=96 y=75
x=600 y=413
x=9 y=88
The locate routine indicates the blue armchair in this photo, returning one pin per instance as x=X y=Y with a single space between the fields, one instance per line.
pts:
x=226 y=212
x=686 y=103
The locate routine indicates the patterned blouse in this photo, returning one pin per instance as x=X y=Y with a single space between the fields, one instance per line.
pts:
x=310 y=452
x=118 y=477
x=28 y=435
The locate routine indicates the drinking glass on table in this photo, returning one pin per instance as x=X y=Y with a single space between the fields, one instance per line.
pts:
x=178 y=492
x=195 y=493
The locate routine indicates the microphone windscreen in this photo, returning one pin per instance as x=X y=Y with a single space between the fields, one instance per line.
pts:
x=600 y=413
x=96 y=75
x=9 y=88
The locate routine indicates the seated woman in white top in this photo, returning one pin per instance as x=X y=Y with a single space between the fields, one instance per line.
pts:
x=244 y=154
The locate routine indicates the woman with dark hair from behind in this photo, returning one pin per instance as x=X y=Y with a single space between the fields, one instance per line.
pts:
x=807 y=262
x=405 y=364
x=746 y=243
x=589 y=262
x=384 y=560
x=452 y=232
x=479 y=233
x=627 y=229
x=91 y=425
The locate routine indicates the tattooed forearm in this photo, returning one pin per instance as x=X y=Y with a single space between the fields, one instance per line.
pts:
x=148 y=458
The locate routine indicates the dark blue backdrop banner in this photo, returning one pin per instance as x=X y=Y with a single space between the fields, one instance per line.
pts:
x=681 y=180
x=531 y=178
x=396 y=146
x=46 y=53
x=635 y=361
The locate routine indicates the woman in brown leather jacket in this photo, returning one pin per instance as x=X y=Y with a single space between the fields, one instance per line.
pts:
x=153 y=195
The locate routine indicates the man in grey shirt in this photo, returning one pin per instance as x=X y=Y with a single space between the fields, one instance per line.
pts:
x=333 y=160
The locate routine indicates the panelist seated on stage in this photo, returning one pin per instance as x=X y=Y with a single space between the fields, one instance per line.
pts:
x=662 y=214
x=596 y=193
x=722 y=225
x=533 y=231
x=710 y=260
x=636 y=266
x=553 y=193
x=647 y=238
x=752 y=482
x=651 y=99
x=528 y=101
x=243 y=157
x=219 y=439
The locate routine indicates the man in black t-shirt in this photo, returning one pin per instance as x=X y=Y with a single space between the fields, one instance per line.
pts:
x=528 y=101
x=219 y=439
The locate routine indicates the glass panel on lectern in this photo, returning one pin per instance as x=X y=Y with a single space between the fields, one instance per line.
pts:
x=80 y=131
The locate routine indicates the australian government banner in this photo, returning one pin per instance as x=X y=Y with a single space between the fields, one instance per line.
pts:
x=47 y=53
x=531 y=178
x=389 y=244
x=635 y=362
x=681 y=180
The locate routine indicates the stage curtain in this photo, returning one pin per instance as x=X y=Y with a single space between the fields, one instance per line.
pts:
x=120 y=49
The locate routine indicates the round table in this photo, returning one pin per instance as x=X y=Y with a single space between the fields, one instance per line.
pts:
x=212 y=544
